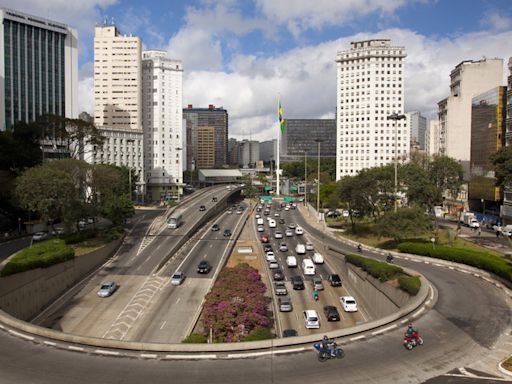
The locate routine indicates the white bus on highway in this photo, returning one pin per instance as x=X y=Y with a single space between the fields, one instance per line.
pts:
x=174 y=221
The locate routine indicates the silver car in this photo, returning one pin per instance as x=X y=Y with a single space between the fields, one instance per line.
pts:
x=177 y=278
x=107 y=288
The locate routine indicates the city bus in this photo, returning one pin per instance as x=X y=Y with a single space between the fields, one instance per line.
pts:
x=174 y=221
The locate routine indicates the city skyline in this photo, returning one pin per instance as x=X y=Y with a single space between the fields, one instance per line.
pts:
x=240 y=56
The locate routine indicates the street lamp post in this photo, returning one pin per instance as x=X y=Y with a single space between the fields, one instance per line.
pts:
x=396 y=117
x=306 y=178
x=130 y=141
x=318 y=184
x=181 y=170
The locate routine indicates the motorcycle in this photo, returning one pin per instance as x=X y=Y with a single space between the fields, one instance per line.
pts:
x=389 y=259
x=359 y=248
x=412 y=341
x=324 y=354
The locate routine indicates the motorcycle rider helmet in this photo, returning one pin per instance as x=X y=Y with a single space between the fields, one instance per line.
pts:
x=325 y=338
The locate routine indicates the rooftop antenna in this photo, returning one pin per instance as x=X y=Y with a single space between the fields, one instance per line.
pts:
x=105 y=20
x=112 y=20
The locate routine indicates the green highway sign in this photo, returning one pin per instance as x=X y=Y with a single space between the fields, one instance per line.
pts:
x=267 y=188
x=294 y=189
x=266 y=198
x=289 y=198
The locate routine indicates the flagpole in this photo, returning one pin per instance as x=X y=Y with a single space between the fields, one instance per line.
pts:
x=278 y=190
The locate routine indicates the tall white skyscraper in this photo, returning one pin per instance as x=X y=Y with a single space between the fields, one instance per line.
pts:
x=117 y=101
x=163 y=124
x=369 y=87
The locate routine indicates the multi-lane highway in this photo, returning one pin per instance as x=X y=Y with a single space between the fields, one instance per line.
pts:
x=470 y=316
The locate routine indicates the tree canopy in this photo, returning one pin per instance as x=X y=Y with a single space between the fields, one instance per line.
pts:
x=502 y=160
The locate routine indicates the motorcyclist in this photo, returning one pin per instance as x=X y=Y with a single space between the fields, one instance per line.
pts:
x=328 y=344
x=411 y=332
x=389 y=258
x=359 y=248
x=315 y=294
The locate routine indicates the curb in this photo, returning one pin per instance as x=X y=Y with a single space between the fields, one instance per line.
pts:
x=505 y=371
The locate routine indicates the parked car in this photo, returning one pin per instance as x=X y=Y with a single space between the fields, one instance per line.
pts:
x=215 y=227
x=291 y=261
x=283 y=247
x=317 y=283
x=280 y=288
x=335 y=280
x=297 y=283
x=227 y=233
x=39 y=236
x=204 y=267
x=309 y=247
x=58 y=232
x=311 y=319
x=107 y=288
x=177 y=278
x=333 y=214
x=331 y=313
x=285 y=304
x=348 y=303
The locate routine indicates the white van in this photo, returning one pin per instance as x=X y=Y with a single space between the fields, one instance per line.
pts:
x=300 y=249
x=272 y=223
x=318 y=258
x=259 y=221
x=308 y=267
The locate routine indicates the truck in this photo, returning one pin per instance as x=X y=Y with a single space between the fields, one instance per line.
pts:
x=470 y=220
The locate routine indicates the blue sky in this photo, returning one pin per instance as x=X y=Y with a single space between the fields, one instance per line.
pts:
x=242 y=54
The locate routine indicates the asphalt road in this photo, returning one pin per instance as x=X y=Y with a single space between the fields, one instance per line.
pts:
x=469 y=316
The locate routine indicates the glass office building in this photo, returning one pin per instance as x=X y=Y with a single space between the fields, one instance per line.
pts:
x=39 y=70
x=301 y=135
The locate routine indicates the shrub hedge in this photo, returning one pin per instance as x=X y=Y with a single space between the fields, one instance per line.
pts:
x=479 y=259
x=385 y=271
x=195 y=338
x=378 y=269
x=410 y=284
x=40 y=255
x=78 y=237
x=259 y=334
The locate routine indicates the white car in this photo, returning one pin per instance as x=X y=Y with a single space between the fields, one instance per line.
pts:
x=177 y=278
x=270 y=256
x=39 y=236
x=273 y=265
x=317 y=258
x=348 y=303
x=287 y=208
x=288 y=233
x=299 y=231
x=291 y=261
x=276 y=214
x=272 y=223
x=311 y=319
x=261 y=228
x=300 y=249
x=278 y=235
x=257 y=216
x=309 y=247
x=283 y=247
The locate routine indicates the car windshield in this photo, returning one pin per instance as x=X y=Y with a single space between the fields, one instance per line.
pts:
x=350 y=302
x=105 y=286
x=177 y=276
x=313 y=318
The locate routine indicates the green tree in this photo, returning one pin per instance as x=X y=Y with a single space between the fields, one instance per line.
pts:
x=20 y=148
x=447 y=174
x=117 y=208
x=404 y=223
x=420 y=189
x=502 y=160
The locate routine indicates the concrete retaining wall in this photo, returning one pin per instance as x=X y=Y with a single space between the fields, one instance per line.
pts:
x=26 y=294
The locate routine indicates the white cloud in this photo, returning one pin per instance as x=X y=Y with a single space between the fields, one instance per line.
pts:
x=305 y=78
x=306 y=14
x=496 y=20
x=86 y=95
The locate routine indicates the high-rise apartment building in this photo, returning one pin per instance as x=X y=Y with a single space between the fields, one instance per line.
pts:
x=38 y=68
x=163 y=124
x=301 y=135
x=417 y=126
x=205 y=153
x=369 y=88
x=118 y=101
x=468 y=79
x=488 y=114
x=216 y=118
x=432 y=138
x=506 y=208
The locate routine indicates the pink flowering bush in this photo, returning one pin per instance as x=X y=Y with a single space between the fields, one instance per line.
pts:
x=236 y=305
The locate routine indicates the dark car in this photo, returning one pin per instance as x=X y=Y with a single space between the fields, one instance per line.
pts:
x=227 y=232
x=267 y=248
x=289 y=333
x=214 y=199
x=215 y=227
x=281 y=221
x=204 y=267
x=297 y=283
x=335 y=280
x=202 y=208
x=331 y=312
x=278 y=275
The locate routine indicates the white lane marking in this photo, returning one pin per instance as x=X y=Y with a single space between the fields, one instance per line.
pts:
x=463 y=370
x=23 y=336
x=51 y=343
x=419 y=312
x=251 y=354
x=178 y=300
x=190 y=357
x=163 y=324
x=384 y=330
x=450 y=267
x=404 y=321
x=73 y=348
x=357 y=338
x=148 y=355
x=289 y=350
x=205 y=256
x=104 y=352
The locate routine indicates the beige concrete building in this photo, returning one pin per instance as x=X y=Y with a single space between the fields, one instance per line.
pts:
x=468 y=79
x=205 y=147
x=163 y=125
x=432 y=138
